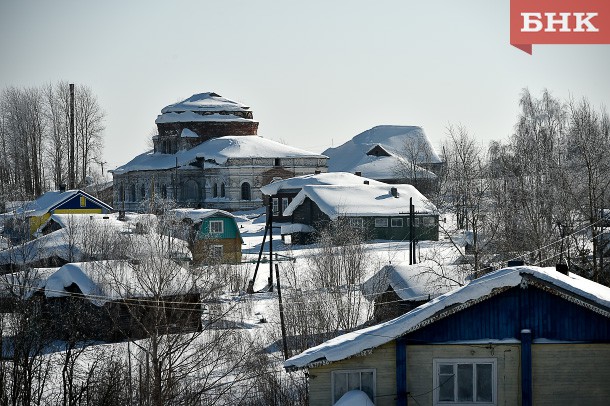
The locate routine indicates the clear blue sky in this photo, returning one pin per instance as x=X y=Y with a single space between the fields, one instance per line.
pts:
x=315 y=73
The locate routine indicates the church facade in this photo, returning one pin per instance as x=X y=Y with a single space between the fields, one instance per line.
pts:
x=207 y=154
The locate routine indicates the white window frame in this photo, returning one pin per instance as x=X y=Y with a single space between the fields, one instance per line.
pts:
x=214 y=222
x=397 y=219
x=381 y=222
x=428 y=221
x=284 y=204
x=349 y=371
x=437 y=362
x=356 y=222
x=275 y=204
x=216 y=251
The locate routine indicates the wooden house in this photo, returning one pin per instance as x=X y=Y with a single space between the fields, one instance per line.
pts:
x=516 y=336
x=112 y=300
x=376 y=209
x=37 y=213
x=87 y=237
x=213 y=234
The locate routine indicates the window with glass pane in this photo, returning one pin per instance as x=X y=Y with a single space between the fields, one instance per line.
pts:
x=216 y=226
x=381 y=222
x=396 y=222
x=356 y=222
x=359 y=379
x=465 y=381
x=276 y=206
x=284 y=204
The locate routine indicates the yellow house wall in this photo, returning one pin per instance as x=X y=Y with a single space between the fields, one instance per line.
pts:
x=571 y=374
x=420 y=364
x=382 y=359
x=37 y=221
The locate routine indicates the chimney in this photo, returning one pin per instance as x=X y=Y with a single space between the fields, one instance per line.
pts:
x=317 y=172
x=366 y=182
x=515 y=262
x=563 y=268
x=394 y=192
x=358 y=173
x=62 y=188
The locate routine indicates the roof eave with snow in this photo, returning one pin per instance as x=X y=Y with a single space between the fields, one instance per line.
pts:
x=361 y=341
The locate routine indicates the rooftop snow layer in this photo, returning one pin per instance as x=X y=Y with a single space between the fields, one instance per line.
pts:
x=102 y=281
x=392 y=138
x=95 y=235
x=354 y=343
x=208 y=101
x=374 y=199
x=413 y=282
x=197 y=215
x=388 y=167
x=190 y=117
x=52 y=199
x=334 y=178
x=218 y=150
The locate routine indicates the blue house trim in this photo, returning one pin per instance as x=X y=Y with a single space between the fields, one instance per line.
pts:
x=401 y=372
x=507 y=313
x=526 y=367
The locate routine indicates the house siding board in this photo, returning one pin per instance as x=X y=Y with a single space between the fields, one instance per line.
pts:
x=506 y=314
x=401 y=233
x=420 y=369
x=382 y=359
x=571 y=374
x=229 y=228
x=74 y=203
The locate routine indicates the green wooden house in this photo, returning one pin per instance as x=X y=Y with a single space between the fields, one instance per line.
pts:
x=215 y=235
x=379 y=210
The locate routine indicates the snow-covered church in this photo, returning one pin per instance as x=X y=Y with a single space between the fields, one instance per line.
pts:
x=207 y=154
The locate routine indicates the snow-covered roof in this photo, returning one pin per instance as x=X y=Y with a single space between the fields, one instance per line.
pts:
x=352 y=155
x=197 y=215
x=208 y=101
x=24 y=284
x=413 y=282
x=216 y=151
x=190 y=117
x=388 y=167
x=103 y=281
x=96 y=235
x=373 y=199
x=50 y=200
x=356 y=342
x=334 y=178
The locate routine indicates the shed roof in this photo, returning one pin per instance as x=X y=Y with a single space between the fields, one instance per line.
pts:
x=355 y=342
x=414 y=282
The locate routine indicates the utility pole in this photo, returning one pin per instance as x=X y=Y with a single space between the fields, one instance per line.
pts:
x=71 y=163
x=270 y=220
x=411 y=232
x=282 y=323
